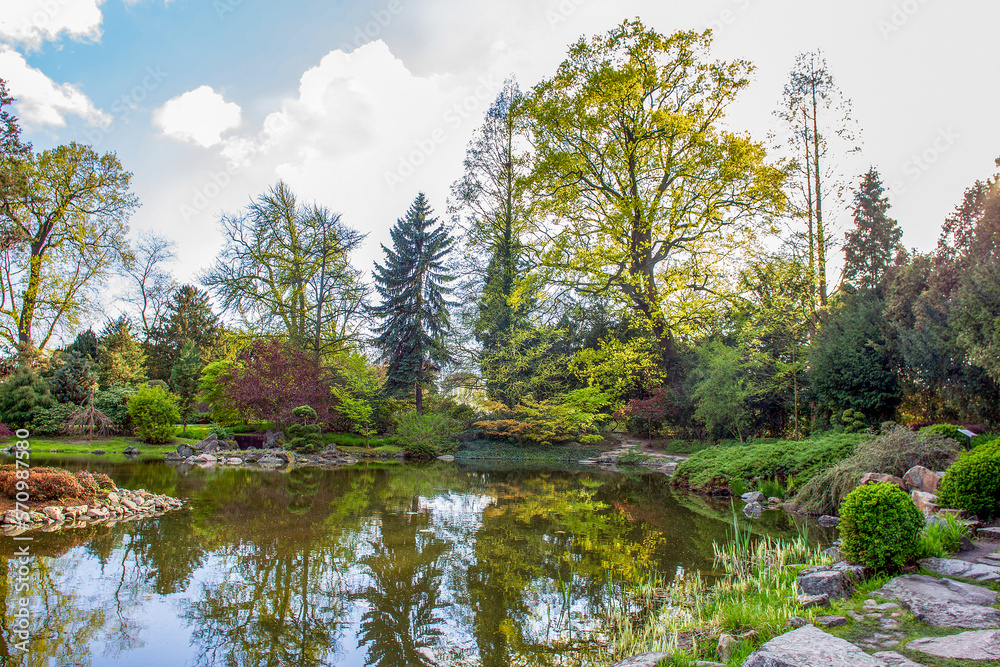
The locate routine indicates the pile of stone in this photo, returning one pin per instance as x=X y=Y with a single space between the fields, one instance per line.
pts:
x=757 y=502
x=119 y=505
x=212 y=452
x=920 y=482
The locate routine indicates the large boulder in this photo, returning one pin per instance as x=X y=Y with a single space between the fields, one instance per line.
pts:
x=925 y=502
x=922 y=479
x=942 y=602
x=876 y=477
x=828 y=521
x=836 y=581
x=753 y=497
x=810 y=647
x=184 y=451
x=979 y=645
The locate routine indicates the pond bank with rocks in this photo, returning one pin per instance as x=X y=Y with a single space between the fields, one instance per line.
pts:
x=107 y=508
x=212 y=452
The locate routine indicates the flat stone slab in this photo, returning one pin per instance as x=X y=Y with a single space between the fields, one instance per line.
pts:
x=960 y=568
x=643 y=660
x=810 y=647
x=894 y=659
x=978 y=645
x=944 y=603
x=922 y=586
x=991 y=533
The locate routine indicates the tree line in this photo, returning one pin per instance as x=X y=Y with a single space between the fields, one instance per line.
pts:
x=613 y=252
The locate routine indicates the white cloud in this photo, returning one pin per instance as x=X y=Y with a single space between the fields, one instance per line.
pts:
x=200 y=115
x=30 y=22
x=41 y=101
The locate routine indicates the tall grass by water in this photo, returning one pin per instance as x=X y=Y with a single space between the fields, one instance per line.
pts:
x=752 y=595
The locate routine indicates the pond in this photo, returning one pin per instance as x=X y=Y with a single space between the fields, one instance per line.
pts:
x=374 y=565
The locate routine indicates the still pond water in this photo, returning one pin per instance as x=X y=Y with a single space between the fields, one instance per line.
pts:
x=380 y=565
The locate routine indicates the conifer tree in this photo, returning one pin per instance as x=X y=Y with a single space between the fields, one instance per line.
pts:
x=123 y=362
x=184 y=378
x=874 y=242
x=413 y=284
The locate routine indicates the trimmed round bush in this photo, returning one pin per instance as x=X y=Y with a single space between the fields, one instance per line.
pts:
x=154 y=412
x=972 y=483
x=880 y=526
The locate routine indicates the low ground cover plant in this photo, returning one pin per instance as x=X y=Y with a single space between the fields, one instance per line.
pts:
x=712 y=469
x=893 y=452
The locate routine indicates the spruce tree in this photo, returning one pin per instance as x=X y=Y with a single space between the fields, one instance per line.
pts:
x=189 y=317
x=123 y=363
x=413 y=284
x=22 y=396
x=874 y=242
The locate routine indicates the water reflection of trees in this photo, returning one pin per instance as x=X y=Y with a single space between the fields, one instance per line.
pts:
x=278 y=569
x=403 y=596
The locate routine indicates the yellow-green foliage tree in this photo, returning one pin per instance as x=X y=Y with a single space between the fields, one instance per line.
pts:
x=64 y=232
x=646 y=195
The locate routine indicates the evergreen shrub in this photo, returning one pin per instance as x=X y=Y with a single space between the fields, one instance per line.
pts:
x=972 y=483
x=880 y=526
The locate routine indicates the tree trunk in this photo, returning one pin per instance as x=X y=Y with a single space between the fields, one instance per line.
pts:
x=820 y=235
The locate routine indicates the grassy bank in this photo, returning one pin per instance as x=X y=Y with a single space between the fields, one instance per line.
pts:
x=752 y=602
x=715 y=469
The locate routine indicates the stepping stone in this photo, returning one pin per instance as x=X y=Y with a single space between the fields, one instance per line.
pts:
x=979 y=645
x=991 y=533
x=944 y=603
x=894 y=659
x=953 y=567
x=810 y=647
x=830 y=621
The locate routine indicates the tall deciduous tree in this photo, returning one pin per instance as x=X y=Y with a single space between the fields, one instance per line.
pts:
x=70 y=221
x=413 y=284
x=285 y=269
x=874 y=243
x=820 y=130
x=646 y=192
x=150 y=284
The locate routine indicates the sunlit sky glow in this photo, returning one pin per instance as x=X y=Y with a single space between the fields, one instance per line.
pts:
x=360 y=105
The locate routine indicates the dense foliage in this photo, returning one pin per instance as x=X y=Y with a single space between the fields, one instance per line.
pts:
x=972 y=483
x=154 y=412
x=880 y=526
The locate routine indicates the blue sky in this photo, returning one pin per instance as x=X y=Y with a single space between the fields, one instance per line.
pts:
x=359 y=105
